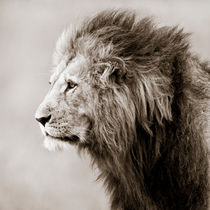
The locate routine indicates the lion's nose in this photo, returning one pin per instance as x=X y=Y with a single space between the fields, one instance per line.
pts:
x=43 y=120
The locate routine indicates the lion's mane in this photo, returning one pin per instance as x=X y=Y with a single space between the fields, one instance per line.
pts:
x=149 y=112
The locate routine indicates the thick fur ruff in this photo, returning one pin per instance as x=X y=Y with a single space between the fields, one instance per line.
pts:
x=149 y=114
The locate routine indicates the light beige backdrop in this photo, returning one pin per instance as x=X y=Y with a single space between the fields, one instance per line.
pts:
x=32 y=178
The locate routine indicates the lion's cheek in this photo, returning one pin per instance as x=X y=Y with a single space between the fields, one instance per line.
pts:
x=80 y=126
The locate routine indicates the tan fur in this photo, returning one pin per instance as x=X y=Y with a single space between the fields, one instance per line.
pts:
x=137 y=100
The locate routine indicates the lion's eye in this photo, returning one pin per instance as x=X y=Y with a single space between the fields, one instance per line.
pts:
x=70 y=85
x=49 y=83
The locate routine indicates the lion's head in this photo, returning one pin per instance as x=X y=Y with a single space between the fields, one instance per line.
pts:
x=105 y=81
x=134 y=96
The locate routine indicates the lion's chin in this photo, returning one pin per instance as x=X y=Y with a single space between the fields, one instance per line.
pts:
x=54 y=144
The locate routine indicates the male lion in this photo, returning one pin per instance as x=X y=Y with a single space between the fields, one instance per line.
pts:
x=136 y=99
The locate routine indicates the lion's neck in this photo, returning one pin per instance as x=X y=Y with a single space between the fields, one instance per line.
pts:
x=152 y=175
x=124 y=177
x=129 y=176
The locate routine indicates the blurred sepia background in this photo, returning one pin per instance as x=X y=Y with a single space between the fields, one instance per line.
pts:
x=32 y=178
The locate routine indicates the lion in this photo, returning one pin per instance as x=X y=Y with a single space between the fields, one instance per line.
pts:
x=136 y=98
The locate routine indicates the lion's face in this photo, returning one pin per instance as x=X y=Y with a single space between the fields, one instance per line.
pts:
x=63 y=114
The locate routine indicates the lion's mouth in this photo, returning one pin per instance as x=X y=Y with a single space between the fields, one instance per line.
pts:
x=72 y=139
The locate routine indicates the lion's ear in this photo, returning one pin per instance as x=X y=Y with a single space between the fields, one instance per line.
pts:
x=114 y=72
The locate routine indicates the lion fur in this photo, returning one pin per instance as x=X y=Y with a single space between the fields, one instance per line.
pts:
x=148 y=111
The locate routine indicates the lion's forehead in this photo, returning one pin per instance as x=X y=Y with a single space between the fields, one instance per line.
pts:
x=70 y=70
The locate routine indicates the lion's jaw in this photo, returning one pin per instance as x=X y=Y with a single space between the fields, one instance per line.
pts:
x=64 y=107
